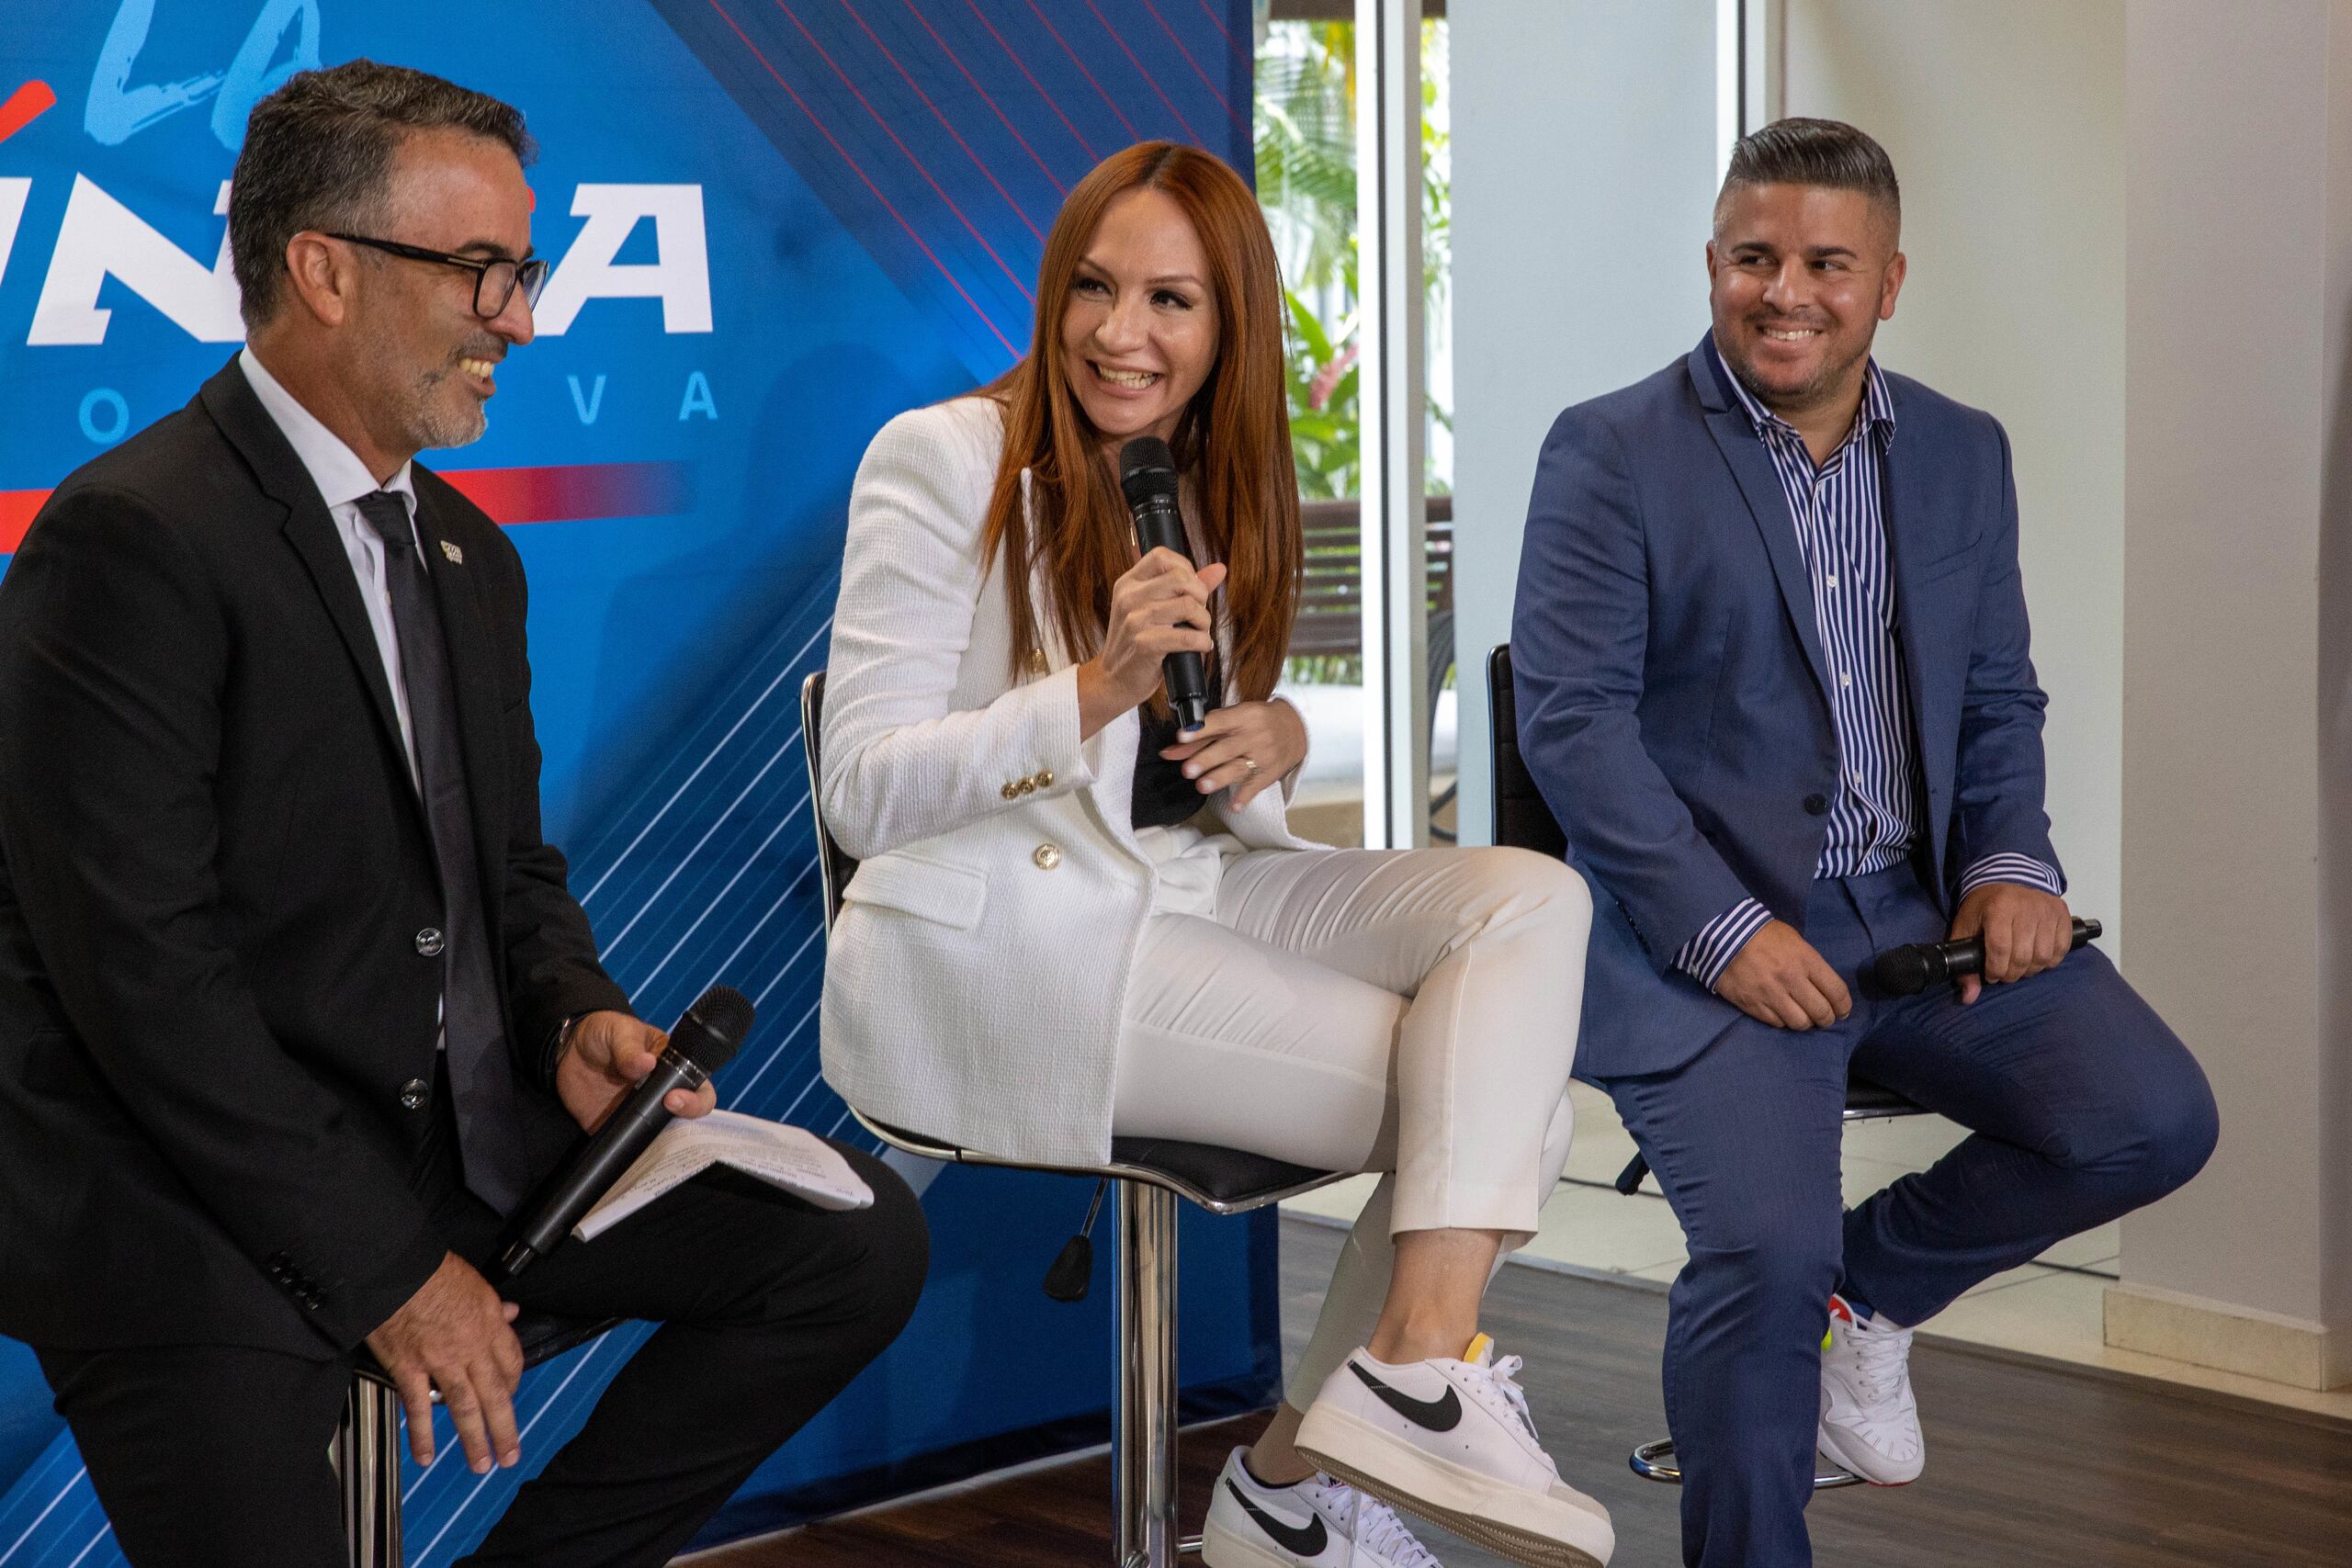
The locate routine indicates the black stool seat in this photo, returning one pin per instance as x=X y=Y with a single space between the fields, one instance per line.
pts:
x=544 y=1337
x=1867 y=1101
x=1224 y=1181
x=1230 y=1176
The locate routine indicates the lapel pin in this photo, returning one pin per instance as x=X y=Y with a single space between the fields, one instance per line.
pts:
x=457 y=557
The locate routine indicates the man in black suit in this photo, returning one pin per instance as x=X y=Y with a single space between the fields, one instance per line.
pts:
x=295 y=1006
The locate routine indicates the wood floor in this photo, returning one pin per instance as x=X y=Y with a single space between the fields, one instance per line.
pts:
x=2030 y=1463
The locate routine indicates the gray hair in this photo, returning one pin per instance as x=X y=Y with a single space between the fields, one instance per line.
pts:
x=1826 y=152
x=318 y=155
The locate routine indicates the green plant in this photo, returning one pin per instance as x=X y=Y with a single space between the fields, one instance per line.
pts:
x=1305 y=147
x=1326 y=424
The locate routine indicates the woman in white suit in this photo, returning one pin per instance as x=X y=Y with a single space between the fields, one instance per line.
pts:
x=1071 y=921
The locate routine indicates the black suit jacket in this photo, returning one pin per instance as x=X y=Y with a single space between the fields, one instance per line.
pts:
x=216 y=869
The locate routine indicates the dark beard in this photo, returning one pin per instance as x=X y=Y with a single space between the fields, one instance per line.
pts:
x=1804 y=397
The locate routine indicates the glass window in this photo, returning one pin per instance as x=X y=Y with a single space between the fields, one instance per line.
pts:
x=1306 y=158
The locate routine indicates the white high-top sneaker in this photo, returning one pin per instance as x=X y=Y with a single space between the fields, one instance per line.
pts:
x=1870 y=1423
x=1318 y=1523
x=1452 y=1441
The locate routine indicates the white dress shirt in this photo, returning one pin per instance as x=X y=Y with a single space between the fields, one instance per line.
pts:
x=341 y=480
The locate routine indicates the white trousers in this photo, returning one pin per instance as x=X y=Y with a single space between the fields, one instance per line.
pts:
x=1409 y=1012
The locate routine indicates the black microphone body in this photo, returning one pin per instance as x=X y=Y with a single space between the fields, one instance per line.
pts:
x=1148 y=477
x=1907 y=971
x=701 y=1044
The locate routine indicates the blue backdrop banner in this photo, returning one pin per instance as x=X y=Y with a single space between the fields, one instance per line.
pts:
x=776 y=223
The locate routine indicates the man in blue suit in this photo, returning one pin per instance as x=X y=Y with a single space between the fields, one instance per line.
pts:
x=1772 y=666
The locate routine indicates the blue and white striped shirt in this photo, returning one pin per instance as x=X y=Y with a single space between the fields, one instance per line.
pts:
x=1838 y=510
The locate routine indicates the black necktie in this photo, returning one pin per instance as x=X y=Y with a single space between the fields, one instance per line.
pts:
x=481 y=1074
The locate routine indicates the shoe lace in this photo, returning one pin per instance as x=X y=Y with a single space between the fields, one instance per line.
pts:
x=1501 y=1375
x=1880 y=1357
x=1378 y=1528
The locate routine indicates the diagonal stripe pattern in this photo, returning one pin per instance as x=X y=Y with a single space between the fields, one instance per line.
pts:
x=945 y=133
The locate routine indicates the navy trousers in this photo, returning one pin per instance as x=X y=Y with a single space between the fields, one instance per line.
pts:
x=2082 y=1104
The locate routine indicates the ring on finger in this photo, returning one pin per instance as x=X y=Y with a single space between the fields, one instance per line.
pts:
x=1249 y=764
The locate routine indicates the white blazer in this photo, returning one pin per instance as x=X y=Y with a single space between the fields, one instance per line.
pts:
x=977 y=975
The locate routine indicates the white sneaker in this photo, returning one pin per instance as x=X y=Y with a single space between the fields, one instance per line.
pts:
x=1452 y=1441
x=1870 y=1423
x=1321 y=1522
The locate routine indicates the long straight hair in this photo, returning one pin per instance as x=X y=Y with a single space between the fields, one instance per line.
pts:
x=1233 y=440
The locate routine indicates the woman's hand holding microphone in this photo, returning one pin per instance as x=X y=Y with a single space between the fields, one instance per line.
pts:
x=1158 y=608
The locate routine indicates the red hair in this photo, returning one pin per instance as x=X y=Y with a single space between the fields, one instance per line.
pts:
x=1233 y=440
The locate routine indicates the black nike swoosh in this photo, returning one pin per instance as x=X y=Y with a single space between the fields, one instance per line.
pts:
x=1435 y=1415
x=1306 y=1541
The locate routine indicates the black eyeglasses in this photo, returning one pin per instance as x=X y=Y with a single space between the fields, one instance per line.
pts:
x=494 y=280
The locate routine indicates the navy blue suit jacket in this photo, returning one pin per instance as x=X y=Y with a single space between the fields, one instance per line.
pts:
x=1673 y=704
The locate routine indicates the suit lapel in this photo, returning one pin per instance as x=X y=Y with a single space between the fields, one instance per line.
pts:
x=1910 y=507
x=1908 y=511
x=229 y=399
x=1767 y=506
x=473 y=679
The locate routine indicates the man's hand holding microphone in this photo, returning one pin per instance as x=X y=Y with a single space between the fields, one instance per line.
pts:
x=2024 y=930
x=1777 y=978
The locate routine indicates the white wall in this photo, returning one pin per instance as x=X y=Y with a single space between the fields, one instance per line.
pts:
x=1584 y=168
x=2005 y=120
x=2334 y=1063
x=2237 y=858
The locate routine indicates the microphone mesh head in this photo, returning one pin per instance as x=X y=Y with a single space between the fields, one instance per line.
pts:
x=1146 y=466
x=1146 y=452
x=1902 y=971
x=715 y=1028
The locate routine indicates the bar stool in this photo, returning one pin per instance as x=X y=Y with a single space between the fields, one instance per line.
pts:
x=366 y=1452
x=1151 y=1175
x=1523 y=819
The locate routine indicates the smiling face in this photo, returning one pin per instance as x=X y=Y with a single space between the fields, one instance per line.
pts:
x=1140 y=330
x=1799 y=278
x=420 y=362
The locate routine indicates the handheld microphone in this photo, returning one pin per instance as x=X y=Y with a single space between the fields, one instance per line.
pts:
x=701 y=1044
x=1907 y=971
x=1148 y=475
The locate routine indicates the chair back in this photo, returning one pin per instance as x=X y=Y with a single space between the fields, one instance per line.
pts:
x=834 y=868
x=1522 y=819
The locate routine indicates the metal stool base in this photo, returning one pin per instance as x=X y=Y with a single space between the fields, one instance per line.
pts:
x=1654 y=1462
x=368 y=1463
x=1143 y=1446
